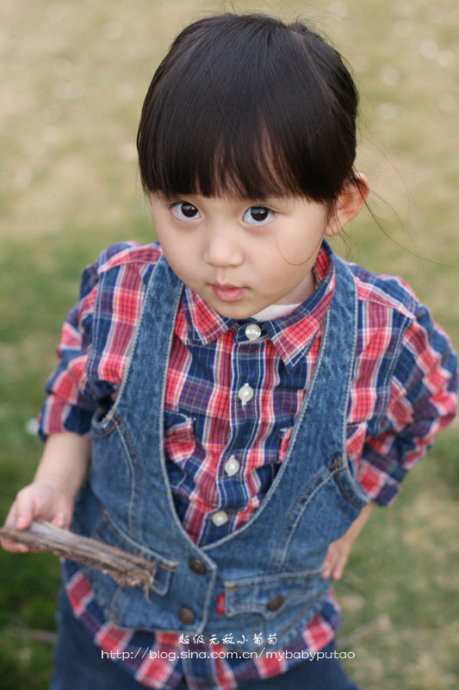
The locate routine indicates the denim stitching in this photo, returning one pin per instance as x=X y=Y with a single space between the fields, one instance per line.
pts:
x=133 y=474
x=300 y=514
x=233 y=586
x=300 y=498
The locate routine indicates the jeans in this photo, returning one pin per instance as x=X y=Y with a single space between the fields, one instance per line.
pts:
x=80 y=666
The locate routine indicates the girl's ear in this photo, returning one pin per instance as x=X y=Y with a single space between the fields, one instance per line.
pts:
x=349 y=203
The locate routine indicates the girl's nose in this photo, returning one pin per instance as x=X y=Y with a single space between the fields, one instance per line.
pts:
x=221 y=248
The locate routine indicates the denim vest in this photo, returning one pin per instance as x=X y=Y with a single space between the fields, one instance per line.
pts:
x=269 y=570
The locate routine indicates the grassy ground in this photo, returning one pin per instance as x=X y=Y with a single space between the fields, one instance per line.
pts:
x=73 y=77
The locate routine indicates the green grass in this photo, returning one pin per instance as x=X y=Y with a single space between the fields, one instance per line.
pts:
x=74 y=76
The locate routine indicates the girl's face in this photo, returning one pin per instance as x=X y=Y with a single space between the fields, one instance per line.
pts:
x=241 y=256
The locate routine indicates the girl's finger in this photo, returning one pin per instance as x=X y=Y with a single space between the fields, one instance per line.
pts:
x=11 y=522
x=339 y=567
x=329 y=564
x=24 y=510
x=60 y=520
x=11 y=517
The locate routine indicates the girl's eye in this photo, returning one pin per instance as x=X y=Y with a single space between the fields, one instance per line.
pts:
x=185 y=211
x=257 y=215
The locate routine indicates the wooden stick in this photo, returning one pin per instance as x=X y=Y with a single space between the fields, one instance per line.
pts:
x=125 y=568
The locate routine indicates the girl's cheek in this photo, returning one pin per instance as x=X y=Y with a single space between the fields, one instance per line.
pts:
x=298 y=247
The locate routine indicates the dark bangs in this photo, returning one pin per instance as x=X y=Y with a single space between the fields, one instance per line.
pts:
x=248 y=106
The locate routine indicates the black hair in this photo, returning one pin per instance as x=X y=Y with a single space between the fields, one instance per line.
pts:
x=248 y=105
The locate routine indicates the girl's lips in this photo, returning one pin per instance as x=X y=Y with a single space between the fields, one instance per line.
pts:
x=227 y=293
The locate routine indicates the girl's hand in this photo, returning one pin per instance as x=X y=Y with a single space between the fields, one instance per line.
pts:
x=41 y=500
x=336 y=559
x=339 y=550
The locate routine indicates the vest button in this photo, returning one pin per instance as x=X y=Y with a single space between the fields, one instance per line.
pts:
x=186 y=615
x=197 y=566
x=275 y=602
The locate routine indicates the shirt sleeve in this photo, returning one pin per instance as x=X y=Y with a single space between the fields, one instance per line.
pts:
x=72 y=397
x=422 y=401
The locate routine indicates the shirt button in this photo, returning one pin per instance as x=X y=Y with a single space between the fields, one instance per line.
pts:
x=219 y=518
x=186 y=615
x=231 y=466
x=245 y=393
x=252 y=331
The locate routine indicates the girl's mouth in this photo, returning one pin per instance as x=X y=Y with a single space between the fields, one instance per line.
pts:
x=227 y=293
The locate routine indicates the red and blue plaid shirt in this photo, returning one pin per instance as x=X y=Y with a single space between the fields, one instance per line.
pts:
x=403 y=393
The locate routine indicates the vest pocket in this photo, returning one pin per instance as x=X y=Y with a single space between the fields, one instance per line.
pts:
x=161 y=568
x=348 y=484
x=270 y=595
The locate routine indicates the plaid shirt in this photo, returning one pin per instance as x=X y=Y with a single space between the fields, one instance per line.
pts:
x=403 y=393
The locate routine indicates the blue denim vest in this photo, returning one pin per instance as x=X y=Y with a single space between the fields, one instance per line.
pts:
x=269 y=570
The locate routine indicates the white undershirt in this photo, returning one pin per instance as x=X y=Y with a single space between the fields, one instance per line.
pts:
x=274 y=311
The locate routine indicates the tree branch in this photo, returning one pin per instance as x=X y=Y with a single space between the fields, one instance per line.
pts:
x=125 y=568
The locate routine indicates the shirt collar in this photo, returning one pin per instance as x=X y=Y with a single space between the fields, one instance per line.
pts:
x=199 y=324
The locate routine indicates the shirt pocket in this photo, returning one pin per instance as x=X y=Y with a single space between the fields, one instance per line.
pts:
x=179 y=439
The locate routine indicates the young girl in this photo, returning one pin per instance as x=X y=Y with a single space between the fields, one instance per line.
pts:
x=241 y=394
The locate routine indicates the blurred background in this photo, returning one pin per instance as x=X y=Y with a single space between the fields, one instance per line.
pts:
x=73 y=77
